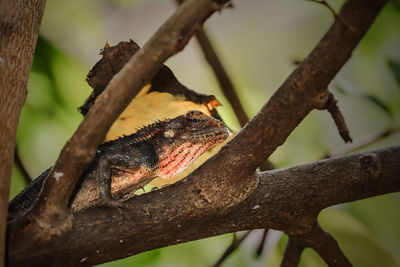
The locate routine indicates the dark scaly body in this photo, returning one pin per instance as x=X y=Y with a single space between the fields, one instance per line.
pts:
x=122 y=166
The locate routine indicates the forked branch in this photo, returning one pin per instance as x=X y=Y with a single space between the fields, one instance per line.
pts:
x=322 y=242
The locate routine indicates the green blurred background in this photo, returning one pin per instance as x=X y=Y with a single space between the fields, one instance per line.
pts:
x=258 y=42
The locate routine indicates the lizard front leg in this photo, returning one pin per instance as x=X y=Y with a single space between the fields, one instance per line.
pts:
x=103 y=175
x=119 y=175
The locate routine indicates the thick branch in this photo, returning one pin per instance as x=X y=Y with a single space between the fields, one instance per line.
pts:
x=300 y=93
x=287 y=199
x=19 y=29
x=51 y=207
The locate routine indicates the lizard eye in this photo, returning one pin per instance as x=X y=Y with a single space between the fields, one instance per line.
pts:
x=195 y=120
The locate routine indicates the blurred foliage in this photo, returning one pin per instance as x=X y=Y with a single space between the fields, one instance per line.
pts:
x=395 y=68
x=258 y=44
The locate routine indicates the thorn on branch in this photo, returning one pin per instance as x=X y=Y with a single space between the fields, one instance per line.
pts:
x=335 y=15
x=337 y=116
x=324 y=3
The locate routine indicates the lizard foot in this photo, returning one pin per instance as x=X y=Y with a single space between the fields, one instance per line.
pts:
x=114 y=203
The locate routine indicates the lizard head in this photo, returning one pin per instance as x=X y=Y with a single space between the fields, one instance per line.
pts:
x=185 y=138
x=196 y=127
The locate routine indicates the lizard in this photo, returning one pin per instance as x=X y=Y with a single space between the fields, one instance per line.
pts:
x=123 y=165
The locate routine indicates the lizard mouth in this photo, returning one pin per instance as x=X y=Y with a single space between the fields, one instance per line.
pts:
x=218 y=135
x=214 y=137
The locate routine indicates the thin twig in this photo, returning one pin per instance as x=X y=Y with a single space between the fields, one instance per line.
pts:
x=324 y=3
x=261 y=246
x=225 y=82
x=335 y=15
x=328 y=102
x=21 y=167
x=233 y=246
x=338 y=118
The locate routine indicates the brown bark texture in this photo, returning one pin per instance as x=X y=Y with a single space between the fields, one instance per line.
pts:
x=225 y=194
x=19 y=29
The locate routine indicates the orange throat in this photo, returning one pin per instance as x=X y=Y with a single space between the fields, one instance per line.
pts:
x=175 y=161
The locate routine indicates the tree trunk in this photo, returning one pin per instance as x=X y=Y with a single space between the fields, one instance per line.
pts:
x=19 y=29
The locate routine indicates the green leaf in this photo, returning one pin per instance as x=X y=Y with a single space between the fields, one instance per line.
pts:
x=395 y=68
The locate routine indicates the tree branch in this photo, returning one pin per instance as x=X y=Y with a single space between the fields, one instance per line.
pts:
x=322 y=242
x=338 y=118
x=19 y=29
x=287 y=199
x=326 y=246
x=233 y=166
x=302 y=90
x=293 y=251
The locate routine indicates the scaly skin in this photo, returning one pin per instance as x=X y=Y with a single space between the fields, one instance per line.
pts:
x=122 y=166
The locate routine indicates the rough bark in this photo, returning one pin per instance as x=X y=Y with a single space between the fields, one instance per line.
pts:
x=19 y=28
x=288 y=199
